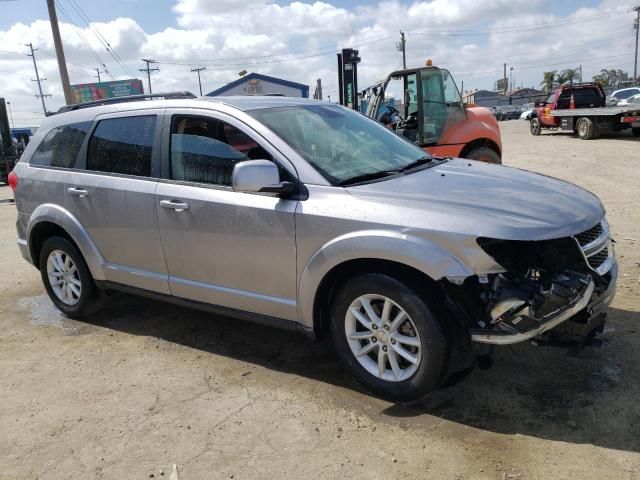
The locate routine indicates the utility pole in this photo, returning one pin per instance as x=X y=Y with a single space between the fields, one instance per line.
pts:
x=11 y=115
x=62 y=64
x=401 y=46
x=580 y=73
x=636 y=25
x=98 y=75
x=198 y=70
x=37 y=79
x=317 y=95
x=148 y=61
x=504 y=79
x=510 y=79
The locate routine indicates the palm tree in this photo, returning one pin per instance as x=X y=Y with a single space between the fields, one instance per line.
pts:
x=548 y=79
x=569 y=75
x=611 y=77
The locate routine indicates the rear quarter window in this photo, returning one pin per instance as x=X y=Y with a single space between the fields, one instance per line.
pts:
x=123 y=145
x=60 y=147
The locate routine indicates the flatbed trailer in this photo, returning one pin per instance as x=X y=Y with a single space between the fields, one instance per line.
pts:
x=588 y=123
x=8 y=154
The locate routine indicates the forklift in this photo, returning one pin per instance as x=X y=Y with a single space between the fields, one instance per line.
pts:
x=430 y=112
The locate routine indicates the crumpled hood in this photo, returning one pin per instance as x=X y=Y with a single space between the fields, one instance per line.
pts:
x=487 y=200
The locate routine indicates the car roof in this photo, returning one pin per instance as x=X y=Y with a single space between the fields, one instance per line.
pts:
x=242 y=103
x=637 y=89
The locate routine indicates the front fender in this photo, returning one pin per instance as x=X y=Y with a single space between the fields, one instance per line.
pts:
x=480 y=124
x=57 y=215
x=421 y=254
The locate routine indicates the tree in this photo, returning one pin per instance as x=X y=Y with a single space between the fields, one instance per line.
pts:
x=548 y=79
x=568 y=75
x=611 y=78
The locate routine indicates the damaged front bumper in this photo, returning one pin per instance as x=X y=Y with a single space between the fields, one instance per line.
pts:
x=587 y=302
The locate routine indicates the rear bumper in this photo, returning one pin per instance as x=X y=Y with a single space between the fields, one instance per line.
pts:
x=24 y=250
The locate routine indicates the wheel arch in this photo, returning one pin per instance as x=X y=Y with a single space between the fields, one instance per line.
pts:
x=480 y=143
x=366 y=252
x=52 y=220
x=336 y=277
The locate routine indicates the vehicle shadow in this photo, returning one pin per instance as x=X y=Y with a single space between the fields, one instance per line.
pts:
x=536 y=391
x=544 y=392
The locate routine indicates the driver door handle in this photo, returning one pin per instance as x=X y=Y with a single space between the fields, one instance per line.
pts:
x=174 y=205
x=78 y=192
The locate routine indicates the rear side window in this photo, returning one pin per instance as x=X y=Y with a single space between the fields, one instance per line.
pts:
x=587 y=98
x=123 y=145
x=60 y=146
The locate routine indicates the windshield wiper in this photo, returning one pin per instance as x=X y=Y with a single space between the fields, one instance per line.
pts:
x=417 y=163
x=365 y=177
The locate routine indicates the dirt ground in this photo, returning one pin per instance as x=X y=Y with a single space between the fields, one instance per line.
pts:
x=143 y=385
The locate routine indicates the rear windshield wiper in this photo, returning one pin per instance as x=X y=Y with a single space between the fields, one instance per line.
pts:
x=365 y=177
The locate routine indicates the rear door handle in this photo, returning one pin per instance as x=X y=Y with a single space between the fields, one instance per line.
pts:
x=174 y=205
x=78 y=192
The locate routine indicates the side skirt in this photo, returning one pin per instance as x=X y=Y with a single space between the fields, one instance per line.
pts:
x=206 y=307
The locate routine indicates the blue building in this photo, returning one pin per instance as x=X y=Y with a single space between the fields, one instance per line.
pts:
x=258 y=84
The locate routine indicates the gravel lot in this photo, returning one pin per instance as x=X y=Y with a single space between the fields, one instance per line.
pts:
x=144 y=385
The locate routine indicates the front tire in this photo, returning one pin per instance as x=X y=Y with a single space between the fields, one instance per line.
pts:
x=386 y=335
x=484 y=154
x=67 y=279
x=535 y=126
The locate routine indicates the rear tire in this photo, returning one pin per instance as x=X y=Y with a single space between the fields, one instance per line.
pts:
x=399 y=360
x=586 y=128
x=535 y=126
x=67 y=279
x=484 y=154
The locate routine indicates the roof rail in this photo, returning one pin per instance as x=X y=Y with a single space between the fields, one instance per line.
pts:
x=580 y=84
x=128 y=98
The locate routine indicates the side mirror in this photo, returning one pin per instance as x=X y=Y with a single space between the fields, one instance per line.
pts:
x=540 y=104
x=259 y=176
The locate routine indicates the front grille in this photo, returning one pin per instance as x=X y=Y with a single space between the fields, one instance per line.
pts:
x=596 y=248
x=590 y=235
x=599 y=258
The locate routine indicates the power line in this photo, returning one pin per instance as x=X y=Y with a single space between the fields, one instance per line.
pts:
x=105 y=43
x=83 y=38
x=331 y=51
x=536 y=26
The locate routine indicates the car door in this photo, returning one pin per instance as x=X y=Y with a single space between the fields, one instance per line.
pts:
x=112 y=194
x=223 y=247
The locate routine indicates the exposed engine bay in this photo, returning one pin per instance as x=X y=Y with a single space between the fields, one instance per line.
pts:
x=545 y=284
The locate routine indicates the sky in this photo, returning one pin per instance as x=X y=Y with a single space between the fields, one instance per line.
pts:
x=298 y=41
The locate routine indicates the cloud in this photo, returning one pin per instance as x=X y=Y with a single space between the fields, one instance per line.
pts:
x=298 y=41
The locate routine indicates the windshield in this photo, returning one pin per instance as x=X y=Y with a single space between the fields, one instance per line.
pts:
x=339 y=143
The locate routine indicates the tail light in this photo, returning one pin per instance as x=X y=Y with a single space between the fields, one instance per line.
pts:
x=13 y=181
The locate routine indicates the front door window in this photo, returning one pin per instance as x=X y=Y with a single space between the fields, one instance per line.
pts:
x=442 y=104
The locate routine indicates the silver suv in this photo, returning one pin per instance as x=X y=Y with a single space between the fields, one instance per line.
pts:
x=311 y=216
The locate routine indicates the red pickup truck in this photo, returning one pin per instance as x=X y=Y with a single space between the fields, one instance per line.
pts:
x=581 y=108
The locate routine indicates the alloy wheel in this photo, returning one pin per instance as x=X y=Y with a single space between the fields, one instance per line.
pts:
x=383 y=338
x=64 y=277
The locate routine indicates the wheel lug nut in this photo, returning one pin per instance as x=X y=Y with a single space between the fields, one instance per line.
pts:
x=393 y=342
x=374 y=339
x=375 y=327
x=384 y=348
x=386 y=327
